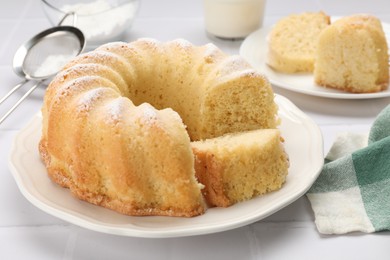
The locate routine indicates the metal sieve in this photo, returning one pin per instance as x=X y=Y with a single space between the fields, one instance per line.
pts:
x=43 y=56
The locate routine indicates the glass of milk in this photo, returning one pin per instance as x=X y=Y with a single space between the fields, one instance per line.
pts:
x=233 y=19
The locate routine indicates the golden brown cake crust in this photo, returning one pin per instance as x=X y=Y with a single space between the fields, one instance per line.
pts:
x=209 y=173
x=58 y=176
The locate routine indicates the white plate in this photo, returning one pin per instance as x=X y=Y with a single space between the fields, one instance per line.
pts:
x=303 y=142
x=254 y=50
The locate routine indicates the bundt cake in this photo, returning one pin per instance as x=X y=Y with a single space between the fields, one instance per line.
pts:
x=352 y=55
x=111 y=126
x=237 y=167
x=292 y=42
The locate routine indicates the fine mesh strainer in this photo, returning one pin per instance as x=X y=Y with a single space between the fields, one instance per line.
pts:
x=43 y=56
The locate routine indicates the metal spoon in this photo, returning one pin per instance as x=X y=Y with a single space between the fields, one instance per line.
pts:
x=59 y=44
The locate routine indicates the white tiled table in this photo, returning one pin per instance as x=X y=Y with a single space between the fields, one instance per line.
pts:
x=28 y=233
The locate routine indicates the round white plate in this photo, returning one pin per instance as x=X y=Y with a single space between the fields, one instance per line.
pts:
x=254 y=49
x=303 y=143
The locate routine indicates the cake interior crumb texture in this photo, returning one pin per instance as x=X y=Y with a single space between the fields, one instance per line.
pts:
x=238 y=167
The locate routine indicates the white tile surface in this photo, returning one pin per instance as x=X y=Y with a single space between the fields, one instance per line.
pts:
x=347 y=7
x=282 y=7
x=40 y=243
x=171 y=9
x=300 y=241
x=28 y=233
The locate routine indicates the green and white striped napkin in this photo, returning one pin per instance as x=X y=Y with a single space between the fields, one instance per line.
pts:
x=352 y=192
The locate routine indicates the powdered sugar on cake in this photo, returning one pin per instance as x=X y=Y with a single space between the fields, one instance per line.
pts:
x=88 y=98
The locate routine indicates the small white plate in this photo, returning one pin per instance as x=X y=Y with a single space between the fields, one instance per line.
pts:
x=254 y=50
x=303 y=142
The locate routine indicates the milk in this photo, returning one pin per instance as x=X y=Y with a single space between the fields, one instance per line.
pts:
x=233 y=18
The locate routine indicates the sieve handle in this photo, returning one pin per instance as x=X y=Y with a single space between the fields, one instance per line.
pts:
x=66 y=15
x=21 y=99
x=13 y=90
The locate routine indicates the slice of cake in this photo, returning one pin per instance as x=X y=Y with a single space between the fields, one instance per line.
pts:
x=352 y=55
x=292 y=42
x=238 y=167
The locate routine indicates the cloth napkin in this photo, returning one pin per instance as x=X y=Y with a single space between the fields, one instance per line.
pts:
x=352 y=193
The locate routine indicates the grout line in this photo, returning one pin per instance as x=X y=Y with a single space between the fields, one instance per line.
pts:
x=249 y=229
x=255 y=246
x=294 y=224
x=64 y=225
x=71 y=244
